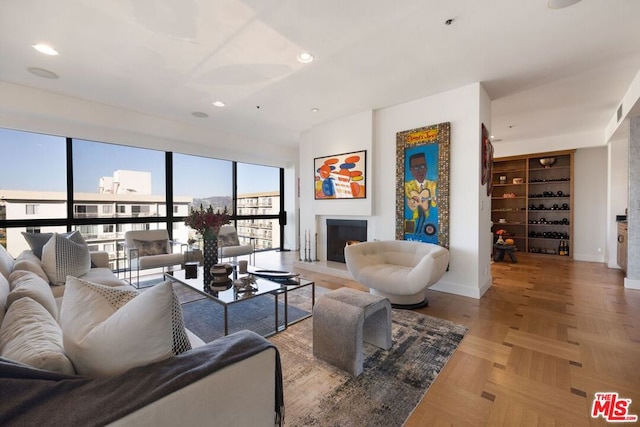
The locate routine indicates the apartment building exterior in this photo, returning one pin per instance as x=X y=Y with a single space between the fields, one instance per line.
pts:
x=126 y=195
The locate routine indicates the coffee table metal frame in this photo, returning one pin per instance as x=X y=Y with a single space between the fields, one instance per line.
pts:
x=230 y=296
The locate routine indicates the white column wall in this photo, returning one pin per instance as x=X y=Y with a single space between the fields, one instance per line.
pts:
x=618 y=197
x=465 y=108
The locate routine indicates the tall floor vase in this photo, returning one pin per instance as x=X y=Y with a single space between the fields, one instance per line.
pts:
x=210 y=258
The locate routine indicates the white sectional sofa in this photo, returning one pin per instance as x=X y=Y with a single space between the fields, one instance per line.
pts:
x=235 y=380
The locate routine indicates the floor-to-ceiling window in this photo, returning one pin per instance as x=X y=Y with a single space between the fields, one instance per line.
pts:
x=112 y=184
x=200 y=181
x=50 y=183
x=33 y=185
x=258 y=205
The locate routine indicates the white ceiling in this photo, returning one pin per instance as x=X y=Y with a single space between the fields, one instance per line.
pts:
x=549 y=72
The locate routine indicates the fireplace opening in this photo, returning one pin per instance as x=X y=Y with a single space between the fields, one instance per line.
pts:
x=341 y=232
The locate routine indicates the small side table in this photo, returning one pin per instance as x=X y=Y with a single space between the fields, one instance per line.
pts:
x=193 y=255
x=500 y=251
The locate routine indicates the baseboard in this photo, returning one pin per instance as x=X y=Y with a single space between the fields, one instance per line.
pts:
x=462 y=290
x=331 y=268
x=631 y=283
x=588 y=257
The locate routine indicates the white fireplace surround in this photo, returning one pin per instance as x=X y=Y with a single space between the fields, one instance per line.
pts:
x=322 y=265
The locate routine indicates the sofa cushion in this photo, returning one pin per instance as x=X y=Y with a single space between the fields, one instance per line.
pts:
x=28 y=284
x=4 y=293
x=29 y=262
x=37 y=241
x=103 y=276
x=65 y=256
x=151 y=247
x=6 y=262
x=228 y=237
x=109 y=330
x=30 y=335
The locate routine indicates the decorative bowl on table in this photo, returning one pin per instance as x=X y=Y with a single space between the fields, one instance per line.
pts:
x=547 y=162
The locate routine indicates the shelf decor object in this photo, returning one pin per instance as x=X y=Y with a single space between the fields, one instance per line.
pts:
x=534 y=205
x=547 y=162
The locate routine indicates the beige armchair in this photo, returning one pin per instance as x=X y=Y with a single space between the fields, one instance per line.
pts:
x=229 y=244
x=399 y=270
x=146 y=249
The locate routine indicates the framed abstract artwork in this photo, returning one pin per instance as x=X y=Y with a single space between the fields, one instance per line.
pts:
x=422 y=184
x=341 y=176
x=486 y=158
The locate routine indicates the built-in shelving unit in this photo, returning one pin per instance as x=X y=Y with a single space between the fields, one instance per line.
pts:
x=533 y=203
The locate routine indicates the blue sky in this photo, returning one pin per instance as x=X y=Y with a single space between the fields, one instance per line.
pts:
x=42 y=167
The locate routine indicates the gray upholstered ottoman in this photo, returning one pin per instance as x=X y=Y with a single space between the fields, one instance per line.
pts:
x=342 y=320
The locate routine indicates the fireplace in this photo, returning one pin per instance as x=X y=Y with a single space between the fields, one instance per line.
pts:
x=341 y=231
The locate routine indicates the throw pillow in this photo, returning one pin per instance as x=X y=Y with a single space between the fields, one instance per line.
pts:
x=31 y=336
x=4 y=293
x=6 y=262
x=37 y=241
x=151 y=247
x=29 y=262
x=28 y=284
x=65 y=256
x=228 y=237
x=108 y=330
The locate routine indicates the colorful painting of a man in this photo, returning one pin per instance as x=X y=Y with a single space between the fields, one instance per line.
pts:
x=421 y=193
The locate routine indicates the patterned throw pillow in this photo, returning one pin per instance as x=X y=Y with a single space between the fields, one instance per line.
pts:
x=6 y=262
x=228 y=237
x=62 y=257
x=37 y=241
x=109 y=330
x=151 y=247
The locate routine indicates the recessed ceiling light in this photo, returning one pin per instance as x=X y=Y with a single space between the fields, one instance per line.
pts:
x=305 y=57
x=199 y=114
x=315 y=110
x=41 y=72
x=45 y=48
x=449 y=21
x=218 y=103
x=559 y=4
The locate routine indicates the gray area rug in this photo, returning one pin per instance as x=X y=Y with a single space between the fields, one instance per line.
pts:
x=392 y=384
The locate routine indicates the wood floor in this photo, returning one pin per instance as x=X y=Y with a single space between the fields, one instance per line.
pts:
x=543 y=339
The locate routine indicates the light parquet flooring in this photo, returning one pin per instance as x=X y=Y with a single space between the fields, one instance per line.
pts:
x=543 y=339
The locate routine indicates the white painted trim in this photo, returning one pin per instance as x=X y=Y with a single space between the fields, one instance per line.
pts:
x=631 y=283
x=462 y=290
x=331 y=268
x=588 y=258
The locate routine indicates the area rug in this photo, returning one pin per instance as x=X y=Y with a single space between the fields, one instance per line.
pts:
x=205 y=318
x=385 y=394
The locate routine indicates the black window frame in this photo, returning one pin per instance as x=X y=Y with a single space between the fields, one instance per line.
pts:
x=168 y=220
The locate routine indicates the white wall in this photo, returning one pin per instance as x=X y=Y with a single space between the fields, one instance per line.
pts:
x=618 y=194
x=34 y=110
x=465 y=108
x=347 y=134
x=590 y=204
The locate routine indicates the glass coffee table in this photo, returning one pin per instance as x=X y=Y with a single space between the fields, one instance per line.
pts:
x=275 y=286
